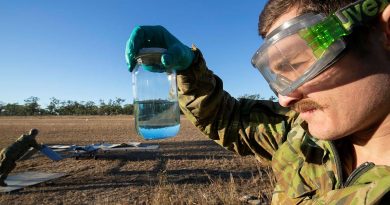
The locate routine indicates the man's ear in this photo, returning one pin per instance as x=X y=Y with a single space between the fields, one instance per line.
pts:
x=385 y=24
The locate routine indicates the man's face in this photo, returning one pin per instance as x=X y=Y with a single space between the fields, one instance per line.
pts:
x=351 y=96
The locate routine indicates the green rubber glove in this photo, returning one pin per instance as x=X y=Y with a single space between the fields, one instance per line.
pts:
x=177 y=57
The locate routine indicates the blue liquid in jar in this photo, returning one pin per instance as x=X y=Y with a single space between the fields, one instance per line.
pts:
x=157 y=119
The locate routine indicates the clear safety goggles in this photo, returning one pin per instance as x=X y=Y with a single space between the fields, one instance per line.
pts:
x=303 y=47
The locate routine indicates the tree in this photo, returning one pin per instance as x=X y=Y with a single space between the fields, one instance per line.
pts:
x=66 y=108
x=12 y=109
x=2 y=107
x=91 y=108
x=117 y=106
x=128 y=109
x=273 y=98
x=103 y=108
x=31 y=106
x=69 y=107
x=257 y=97
x=252 y=97
x=53 y=106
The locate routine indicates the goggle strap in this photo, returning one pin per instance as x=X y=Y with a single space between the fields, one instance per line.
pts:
x=320 y=36
x=360 y=12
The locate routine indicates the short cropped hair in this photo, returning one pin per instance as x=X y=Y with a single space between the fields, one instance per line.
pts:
x=275 y=8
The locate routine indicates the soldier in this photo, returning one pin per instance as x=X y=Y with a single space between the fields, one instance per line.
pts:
x=328 y=139
x=9 y=155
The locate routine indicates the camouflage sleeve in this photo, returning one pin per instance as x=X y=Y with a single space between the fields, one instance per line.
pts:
x=248 y=127
x=36 y=145
x=33 y=143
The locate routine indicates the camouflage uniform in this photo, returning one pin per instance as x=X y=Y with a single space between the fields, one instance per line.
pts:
x=9 y=155
x=308 y=171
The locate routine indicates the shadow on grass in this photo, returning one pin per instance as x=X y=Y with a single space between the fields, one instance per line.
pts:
x=184 y=150
x=144 y=178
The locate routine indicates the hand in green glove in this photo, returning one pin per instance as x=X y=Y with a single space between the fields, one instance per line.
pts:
x=177 y=57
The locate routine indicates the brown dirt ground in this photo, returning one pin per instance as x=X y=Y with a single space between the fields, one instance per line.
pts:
x=187 y=169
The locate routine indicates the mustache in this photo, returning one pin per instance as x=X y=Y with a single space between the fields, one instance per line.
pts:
x=306 y=105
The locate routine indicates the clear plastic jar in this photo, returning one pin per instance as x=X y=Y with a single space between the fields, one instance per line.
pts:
x=156 y=108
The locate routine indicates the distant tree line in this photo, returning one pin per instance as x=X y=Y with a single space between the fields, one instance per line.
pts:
x=31 y=107
x=257 y=97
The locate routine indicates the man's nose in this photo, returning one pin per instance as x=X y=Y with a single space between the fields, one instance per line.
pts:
x=290 y=99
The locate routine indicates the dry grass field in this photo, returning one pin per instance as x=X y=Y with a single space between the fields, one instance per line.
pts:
x=186 y=169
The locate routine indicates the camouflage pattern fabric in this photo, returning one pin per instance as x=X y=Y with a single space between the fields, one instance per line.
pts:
x=6 y=166
x=10 y=154
x=19 y=147
x=308 y=171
